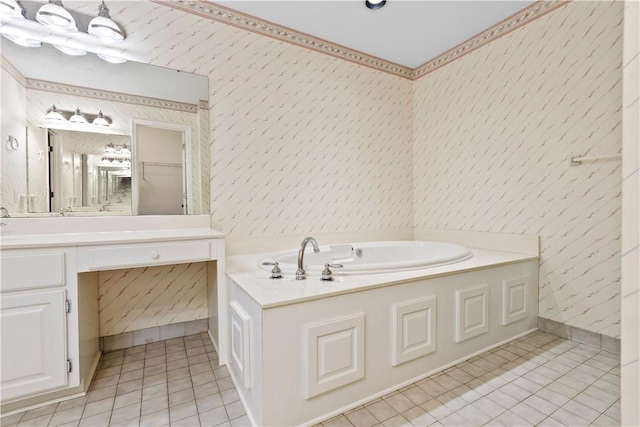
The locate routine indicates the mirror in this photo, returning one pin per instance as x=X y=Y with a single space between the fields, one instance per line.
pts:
x=150 y=158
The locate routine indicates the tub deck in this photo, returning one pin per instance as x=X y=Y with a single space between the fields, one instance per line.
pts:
x=268 y=293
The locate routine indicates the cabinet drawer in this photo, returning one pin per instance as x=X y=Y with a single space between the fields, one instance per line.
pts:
x=92 y=258
x=32 y=271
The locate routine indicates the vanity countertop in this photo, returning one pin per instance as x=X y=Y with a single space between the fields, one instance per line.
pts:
x=28 y=241
x=270 y=293
x=27 y=233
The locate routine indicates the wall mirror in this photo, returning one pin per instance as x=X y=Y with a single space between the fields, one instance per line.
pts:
x=139 y=147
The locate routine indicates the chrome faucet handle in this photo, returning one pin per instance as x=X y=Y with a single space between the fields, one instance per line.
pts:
x=327 y=274
x=276 y=273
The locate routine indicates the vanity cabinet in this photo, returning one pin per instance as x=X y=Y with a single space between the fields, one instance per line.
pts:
x=34 y=337
x=37 y=294
x=49 y=297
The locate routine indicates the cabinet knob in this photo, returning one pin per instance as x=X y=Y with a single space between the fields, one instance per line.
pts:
x=155 y=255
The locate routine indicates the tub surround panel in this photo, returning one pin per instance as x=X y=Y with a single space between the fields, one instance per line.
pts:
x=527 y=102
x=283 y=373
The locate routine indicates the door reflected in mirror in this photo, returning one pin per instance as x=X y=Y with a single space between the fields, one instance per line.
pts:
x=63 y=167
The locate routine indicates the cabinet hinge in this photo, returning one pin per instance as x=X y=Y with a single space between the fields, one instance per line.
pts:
x=69 y=366
x=67 y=306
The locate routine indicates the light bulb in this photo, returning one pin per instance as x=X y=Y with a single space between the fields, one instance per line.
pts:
x=54 y=15
x=78 y=117
x=103 y=28
x=54 y=115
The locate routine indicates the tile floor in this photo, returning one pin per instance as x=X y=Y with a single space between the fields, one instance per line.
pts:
x=537 y=380
x=176 y=382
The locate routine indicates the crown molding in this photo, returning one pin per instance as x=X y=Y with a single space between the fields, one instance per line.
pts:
x=263 y=27
x=13 y=71
x=105 y=95
x=517 y=20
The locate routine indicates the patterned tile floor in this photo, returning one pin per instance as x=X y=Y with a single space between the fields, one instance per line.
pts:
x=537 y=380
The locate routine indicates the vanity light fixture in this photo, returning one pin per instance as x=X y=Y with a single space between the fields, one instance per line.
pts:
x=375 y=4
x=12 y=9
x=53 y=115
x=111 y=59
x=23 y=41
x=56 y=25
x=100 y=120
x=54 y=15
x=78 y=117
x=103 y=27
x=72 y=51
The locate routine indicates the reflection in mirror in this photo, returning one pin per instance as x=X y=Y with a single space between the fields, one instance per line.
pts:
x=56 y=167
x=90 y=172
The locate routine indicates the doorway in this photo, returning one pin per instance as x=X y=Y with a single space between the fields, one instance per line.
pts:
x=160 y=159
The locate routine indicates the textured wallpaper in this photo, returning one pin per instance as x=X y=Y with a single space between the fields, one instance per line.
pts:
x=14 y=162
x=301 y=141
x=304 y=142
x=140 y=298
x=493 y=132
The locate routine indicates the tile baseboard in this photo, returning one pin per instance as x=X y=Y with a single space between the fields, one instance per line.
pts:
x=151 y=335
x=562 y=330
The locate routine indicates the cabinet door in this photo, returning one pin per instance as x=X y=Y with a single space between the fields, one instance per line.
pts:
x=34 y=343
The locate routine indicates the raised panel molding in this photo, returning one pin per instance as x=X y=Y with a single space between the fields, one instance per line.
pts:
x=515 y=300
x=334 y=354
x=414 y=330
x=472 y=312
x=34 y=343
x=240 y=341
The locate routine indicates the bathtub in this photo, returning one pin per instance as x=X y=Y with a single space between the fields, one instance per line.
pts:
x=370 y=257
x=303 y=351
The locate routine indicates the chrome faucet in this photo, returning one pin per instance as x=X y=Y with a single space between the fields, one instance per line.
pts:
x=4 y=213
x=300 y=273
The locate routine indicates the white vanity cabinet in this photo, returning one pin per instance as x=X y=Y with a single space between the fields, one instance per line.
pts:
x=49 y=296
x=39 y=326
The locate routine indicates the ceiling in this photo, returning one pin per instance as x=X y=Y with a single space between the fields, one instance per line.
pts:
x=408 y=33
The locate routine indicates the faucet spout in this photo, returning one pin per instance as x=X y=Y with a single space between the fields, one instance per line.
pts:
x=300 y=273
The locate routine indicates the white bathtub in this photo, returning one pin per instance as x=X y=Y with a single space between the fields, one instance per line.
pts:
x=370 y=257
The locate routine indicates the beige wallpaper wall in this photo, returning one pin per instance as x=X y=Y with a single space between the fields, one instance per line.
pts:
x=304 y=142
x=493 y=132
x=301 y=141
x=141 y=298
x=12 y=122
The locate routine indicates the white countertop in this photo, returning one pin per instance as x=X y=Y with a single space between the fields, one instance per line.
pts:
x=269 y=293
x=28 y=241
